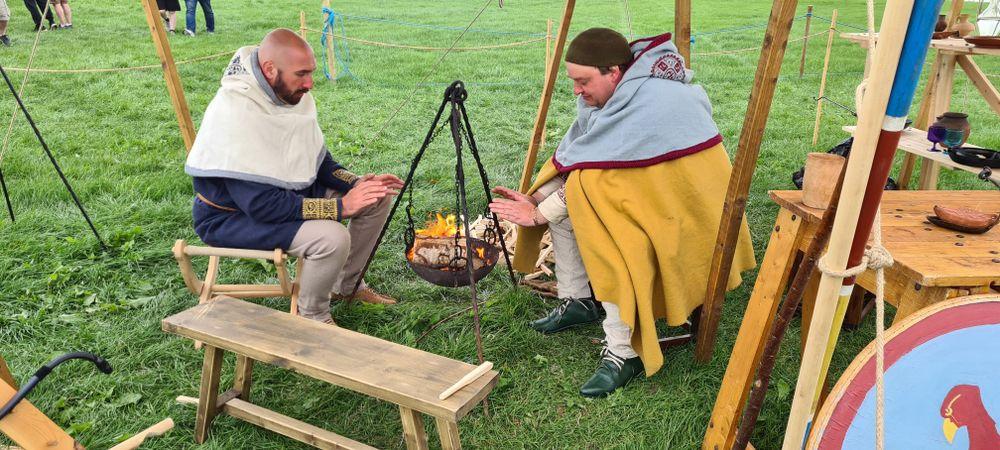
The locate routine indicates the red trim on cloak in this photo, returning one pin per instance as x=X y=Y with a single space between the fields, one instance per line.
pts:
x=656 y=41
x=668 y=156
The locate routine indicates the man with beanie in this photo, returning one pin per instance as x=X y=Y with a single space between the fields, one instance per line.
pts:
x=263 y=177
x=632 y=198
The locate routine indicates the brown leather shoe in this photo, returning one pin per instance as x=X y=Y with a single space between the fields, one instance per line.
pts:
x=367 y=295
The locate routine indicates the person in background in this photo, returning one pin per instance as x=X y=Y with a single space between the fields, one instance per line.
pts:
x=4 y=18
x=206 y=8
x=168 y=11
x=36 y=7
x=64 y=13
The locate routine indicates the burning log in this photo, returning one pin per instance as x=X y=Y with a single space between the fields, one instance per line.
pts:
x=442 y=253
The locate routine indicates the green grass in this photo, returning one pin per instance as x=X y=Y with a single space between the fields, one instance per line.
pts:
x=117 y=139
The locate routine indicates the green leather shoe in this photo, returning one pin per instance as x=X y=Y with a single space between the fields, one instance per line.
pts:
x=572 y=312
x=614 y=372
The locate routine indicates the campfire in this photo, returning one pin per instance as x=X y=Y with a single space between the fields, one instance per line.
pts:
x=438 y=253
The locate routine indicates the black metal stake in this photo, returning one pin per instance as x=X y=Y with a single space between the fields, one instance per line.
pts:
x=469 y=260
x=486 y=186
x=55 y=164
x=6 y=196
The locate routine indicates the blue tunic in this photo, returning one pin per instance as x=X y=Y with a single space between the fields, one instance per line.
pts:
x=265 y=217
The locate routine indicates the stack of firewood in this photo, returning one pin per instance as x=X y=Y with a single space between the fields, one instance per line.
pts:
x=546 y=257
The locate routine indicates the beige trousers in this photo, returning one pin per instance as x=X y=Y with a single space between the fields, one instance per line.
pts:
x=572 y=280
x=334 y=255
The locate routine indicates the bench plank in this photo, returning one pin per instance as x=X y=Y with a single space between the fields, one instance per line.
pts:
x=295 y=429
x=382 y=369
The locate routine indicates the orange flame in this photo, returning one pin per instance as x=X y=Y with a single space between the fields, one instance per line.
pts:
x=442 y=227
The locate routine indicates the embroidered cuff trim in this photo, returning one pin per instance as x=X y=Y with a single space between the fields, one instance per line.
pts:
x=321 y=208
x=345 y=176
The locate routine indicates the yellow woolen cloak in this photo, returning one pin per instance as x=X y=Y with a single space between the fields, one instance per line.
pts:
x=647 y=236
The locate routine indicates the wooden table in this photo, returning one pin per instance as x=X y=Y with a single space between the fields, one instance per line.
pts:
x=914 y=142
x=932 y=263
x=937 y=95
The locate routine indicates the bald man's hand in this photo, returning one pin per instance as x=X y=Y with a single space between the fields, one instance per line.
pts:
x=366 y=192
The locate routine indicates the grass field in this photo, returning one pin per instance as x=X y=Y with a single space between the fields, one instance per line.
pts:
x=117 y=140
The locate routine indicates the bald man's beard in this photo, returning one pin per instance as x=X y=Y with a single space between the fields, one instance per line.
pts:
x=285 y=93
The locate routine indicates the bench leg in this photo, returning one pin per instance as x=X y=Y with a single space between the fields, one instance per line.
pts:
x=413 y=429
x=209 y=394
x=244 y=377
x=449 y=434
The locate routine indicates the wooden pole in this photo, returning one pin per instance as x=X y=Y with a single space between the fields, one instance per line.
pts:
x=682 y=29
x=543 y=105
x=302 y=25
x=758 y=109
x=870 y=139
x=331 y=55
x=805 y=41
x=822 y=81
x=174 y=87
x=791 y=304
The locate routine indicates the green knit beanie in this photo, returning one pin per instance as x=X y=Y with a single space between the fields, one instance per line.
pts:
x=599 y=47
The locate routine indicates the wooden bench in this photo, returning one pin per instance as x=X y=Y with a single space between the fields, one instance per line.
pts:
x=208 y=287
x=408 y=377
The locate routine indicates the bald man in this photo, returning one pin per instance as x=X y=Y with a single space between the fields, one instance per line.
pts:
x=264 y=179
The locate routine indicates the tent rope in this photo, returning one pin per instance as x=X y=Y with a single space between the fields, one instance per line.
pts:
x=427 y=74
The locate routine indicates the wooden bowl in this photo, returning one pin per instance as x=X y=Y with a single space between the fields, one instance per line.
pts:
x=953 y=226
x=944 y=34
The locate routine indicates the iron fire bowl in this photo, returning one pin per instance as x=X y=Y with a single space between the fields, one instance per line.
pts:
x=459 y=278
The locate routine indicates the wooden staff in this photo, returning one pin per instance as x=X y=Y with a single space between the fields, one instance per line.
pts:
x=467 y=379
x=822 y=81
x=880 y=122
x=805 y=41
x=543 y=105
x=156 y=430
x=788 y=308
x=173 y=79
x=758 y=108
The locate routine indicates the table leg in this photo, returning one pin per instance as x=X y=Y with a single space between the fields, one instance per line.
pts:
x=942 y=101
x=413 y=429
x=917 y=297
x=209 y=394
x=857 y=308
